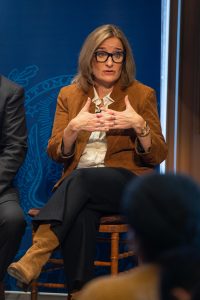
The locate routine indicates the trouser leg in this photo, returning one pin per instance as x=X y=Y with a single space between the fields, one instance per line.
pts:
x=79 y=249
x=12 y=227
x=61 y=214
x=93 y=193
x=99 y=188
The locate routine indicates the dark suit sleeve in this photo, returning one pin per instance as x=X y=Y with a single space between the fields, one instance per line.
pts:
x=13 y=143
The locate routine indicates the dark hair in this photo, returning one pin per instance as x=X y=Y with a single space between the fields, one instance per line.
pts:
x=164 y=212
x=180 y=268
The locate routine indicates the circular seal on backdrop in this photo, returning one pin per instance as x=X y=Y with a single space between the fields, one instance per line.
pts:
x=38 y=173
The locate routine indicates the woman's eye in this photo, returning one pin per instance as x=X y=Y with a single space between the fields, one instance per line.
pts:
x=117 y=54
x=101 y=54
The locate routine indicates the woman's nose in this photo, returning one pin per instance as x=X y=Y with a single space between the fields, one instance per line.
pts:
x=109 y=61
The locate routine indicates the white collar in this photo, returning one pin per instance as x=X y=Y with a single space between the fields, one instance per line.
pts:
x=107 y=100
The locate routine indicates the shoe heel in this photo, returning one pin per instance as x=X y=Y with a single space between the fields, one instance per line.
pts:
x=24 y=286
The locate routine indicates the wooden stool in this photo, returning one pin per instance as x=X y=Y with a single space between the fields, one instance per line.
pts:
x=114 y=225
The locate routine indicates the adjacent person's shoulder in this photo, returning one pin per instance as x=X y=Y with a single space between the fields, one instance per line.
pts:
x=9 y=85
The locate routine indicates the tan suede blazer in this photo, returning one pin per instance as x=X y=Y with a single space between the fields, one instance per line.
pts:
x=121 y=144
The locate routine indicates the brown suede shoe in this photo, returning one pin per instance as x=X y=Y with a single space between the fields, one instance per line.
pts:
x=15 y=270
x=30 y=265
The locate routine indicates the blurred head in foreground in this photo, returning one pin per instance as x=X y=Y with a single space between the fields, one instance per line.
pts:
x=163 y=211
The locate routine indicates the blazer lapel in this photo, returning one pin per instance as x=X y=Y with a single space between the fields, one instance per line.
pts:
x=118 y=95
x=91 y=96
x=84 y=135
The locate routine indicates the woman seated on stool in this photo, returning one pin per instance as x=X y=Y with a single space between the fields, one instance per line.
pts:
x=106 y=131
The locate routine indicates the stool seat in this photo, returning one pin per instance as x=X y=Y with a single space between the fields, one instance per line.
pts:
x=113 y=219
x=108 y=219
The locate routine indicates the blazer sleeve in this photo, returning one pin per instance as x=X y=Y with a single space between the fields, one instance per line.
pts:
x=13 y=142
x=158 y=150
x=61 y=119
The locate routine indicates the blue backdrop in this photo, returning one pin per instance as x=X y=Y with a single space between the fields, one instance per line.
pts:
x=40 y=42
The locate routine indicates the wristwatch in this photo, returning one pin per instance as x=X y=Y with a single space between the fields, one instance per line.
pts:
x=145 y=130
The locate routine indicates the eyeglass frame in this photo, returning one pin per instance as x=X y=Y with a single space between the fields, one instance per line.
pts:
x=110 y=54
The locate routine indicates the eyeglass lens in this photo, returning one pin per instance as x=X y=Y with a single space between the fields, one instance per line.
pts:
x=102 y=56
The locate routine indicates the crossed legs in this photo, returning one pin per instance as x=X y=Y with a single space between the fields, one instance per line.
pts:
x=83 y=197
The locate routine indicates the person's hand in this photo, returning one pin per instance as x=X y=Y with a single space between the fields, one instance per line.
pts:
x=90 y=121
x=128 y=118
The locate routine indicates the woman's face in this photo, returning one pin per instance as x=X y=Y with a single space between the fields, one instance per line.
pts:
x=108 y=72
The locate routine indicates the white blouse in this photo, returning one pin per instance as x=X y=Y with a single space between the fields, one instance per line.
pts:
x=95 y=150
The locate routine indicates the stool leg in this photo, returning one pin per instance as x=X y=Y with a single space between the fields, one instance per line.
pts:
x=34 y=290
x=114 y=252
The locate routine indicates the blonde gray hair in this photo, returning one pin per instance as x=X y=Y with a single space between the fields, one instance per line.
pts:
x=84 y=78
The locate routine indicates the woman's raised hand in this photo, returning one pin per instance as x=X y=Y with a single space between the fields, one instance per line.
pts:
x=90 y=121
x=127 y=118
